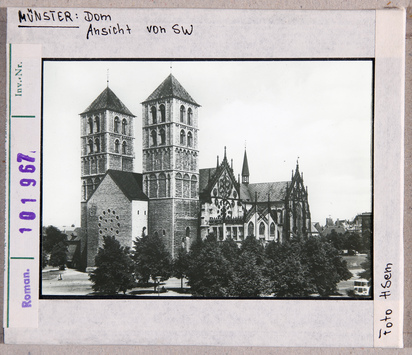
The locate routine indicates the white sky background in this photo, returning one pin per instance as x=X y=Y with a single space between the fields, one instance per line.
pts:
x=319 y=111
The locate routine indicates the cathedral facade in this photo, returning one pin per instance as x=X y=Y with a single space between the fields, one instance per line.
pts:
x=172 y=197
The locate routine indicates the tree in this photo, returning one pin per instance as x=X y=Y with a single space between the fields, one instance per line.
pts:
x=58 y=256
x=288 y=275
x=114 y=268
x=326 y=267
x=367 y=266
x=209 y=272
x=151 y=258
x=181 y=265
x=54 y=243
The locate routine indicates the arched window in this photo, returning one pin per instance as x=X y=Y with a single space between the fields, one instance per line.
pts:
x=182 y=114
x=93 y=166
x=116 y=124
x=189 y=139
x=250 y=229
x=90 y=125
x=153 y=112
x=162 y=137
x=97 y=123
x=84 y=191
x=124 y=126
x=189 y=116
x=162 y=185
x=162 y=113
x=153 y=136
x=262 y=228
x=179 y=185
x=89 y=187
x=124 y=147
x=90 y=146
x=97 y=145
x=272 y=228
x=153 y=186
x=182 y=137
x=96 y=183
x=193 y=187
x=116 y=146
x=186 y=186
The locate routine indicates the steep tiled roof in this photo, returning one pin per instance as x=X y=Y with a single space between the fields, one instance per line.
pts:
x=204 y=176
x=276 y=191
x=129 y=183
x=170 y=87
x=108 y=100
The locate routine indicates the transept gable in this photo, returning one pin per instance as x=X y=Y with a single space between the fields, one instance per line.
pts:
x=221 y=183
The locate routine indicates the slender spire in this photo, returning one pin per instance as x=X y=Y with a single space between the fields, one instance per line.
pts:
x=217 y=162
x=245 y=170
x=107 y=77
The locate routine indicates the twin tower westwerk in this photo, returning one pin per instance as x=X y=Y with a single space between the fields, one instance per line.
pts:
x=172 y=197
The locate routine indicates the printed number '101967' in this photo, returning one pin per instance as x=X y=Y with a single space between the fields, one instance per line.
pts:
x=25 y=182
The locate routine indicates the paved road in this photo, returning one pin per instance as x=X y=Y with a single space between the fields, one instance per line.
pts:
x=75 y=283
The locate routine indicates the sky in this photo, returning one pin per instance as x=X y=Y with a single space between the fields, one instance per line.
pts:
x=316 y=112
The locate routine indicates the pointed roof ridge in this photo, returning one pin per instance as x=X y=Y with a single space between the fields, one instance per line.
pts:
x=129 y=183
x=170 y=87
x=245 y=168
x=107 y=100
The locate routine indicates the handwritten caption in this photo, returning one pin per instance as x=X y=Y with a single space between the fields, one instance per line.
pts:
x=98 y=24
x=385 y=293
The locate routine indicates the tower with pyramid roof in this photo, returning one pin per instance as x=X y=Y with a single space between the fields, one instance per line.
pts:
x=107 y=135
x=170 y=163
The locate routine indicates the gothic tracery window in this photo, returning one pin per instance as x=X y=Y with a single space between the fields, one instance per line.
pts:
x=272 y=228
x=251 y=229
x=116 y=146
x=124 y=147
x=262 y=229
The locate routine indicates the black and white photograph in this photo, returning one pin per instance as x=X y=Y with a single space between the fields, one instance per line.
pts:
x=214 y=179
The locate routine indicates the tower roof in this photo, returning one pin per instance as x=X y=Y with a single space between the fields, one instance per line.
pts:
x=170 y=87
x=245 y=168
x=108 y=100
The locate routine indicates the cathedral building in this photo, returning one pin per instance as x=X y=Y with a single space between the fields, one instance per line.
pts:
x=236 y=209
x=172 y=198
